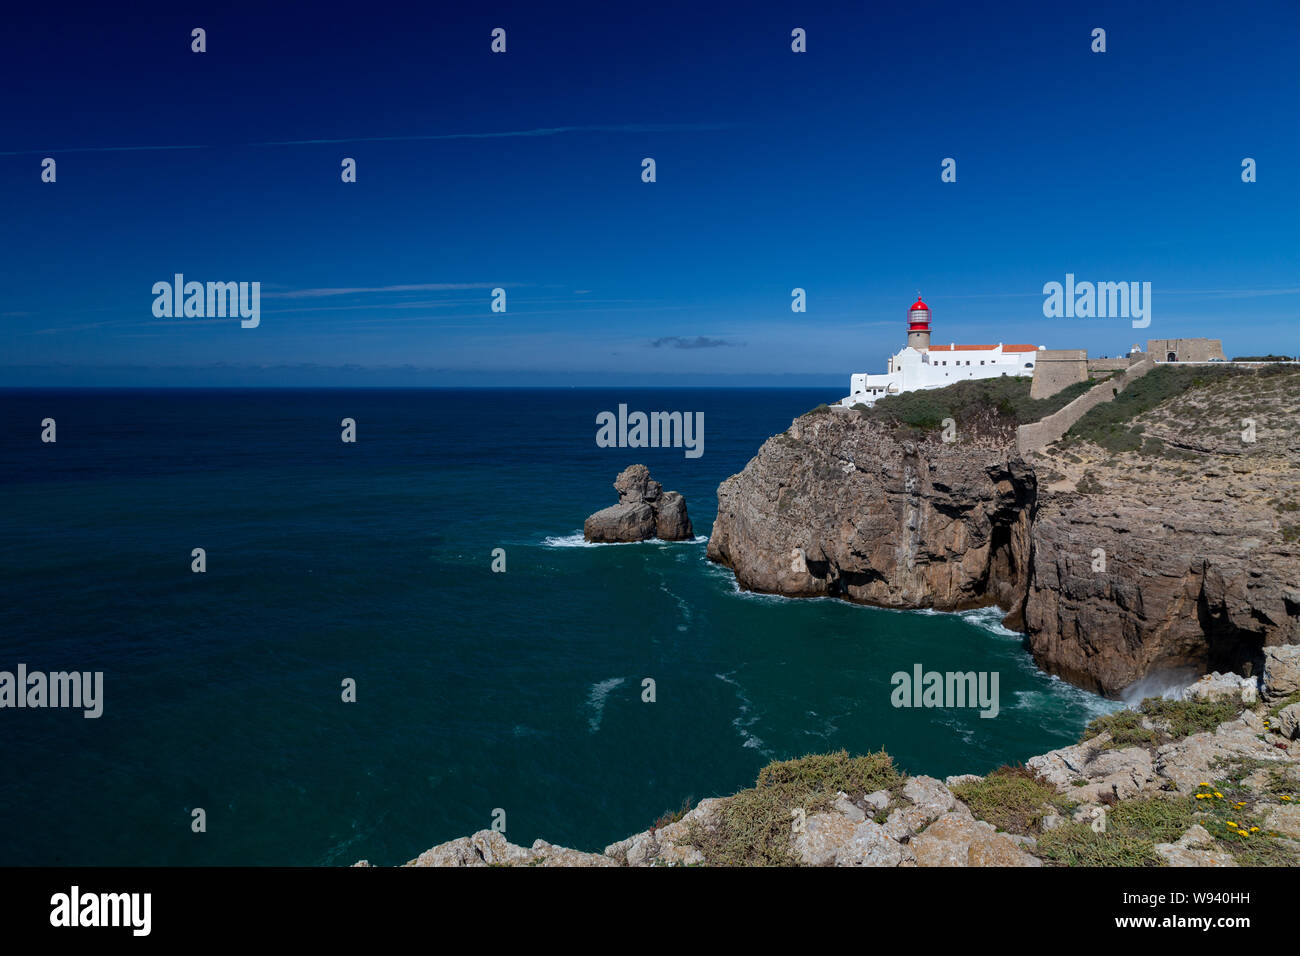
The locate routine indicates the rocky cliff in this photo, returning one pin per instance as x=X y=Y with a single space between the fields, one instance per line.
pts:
x=1160 y=536
x=840 y=506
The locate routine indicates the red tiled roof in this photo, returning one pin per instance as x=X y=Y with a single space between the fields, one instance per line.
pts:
x=983 y=348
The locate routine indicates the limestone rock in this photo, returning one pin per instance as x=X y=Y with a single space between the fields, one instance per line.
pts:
x=667 y=845
x=848 y=808
x=644 y=511
x=878 y=800
x=489 y=848
x=671 y=521
x=817 y=840
x=1288 y=721
x=870 y=845
x=1282 y=669
x=458 y=852
x=618 y=523
x=1193 y=849
x=957 y=840
x=911 y=524
x=1216 y=686
x=1120 y=773
x=928 y=800
x=1198 y=758
x=1285 y=819
x=634 y=485
x=836 y=838
x=548 y=854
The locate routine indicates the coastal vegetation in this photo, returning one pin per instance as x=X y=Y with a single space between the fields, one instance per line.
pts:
x=1001 y=402
x=1132 y=831
x=753 y=828
x=1011 y=798
x=1110 y=425
x=1157 y=720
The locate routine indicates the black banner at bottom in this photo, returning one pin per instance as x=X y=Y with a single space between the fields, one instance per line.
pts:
x=338 y=905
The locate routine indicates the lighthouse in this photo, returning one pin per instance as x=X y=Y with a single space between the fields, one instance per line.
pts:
x=920 y=365
x=918 y=326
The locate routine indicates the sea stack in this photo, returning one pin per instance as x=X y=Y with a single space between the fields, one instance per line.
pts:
x=644 y=511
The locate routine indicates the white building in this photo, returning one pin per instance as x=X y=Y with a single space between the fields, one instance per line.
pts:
x=921 y=365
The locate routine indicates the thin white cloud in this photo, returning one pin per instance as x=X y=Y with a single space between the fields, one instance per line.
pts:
x=362 y=290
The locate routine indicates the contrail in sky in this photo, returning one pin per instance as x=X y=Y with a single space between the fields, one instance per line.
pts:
x=506 y=134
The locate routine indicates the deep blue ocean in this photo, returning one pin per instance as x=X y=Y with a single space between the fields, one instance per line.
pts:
x=475 y=690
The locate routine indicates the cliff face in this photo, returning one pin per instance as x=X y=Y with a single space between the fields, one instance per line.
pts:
x=838 y=507
x=1177 y=554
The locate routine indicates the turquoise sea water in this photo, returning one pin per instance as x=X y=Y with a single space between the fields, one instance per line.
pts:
x=476 y=690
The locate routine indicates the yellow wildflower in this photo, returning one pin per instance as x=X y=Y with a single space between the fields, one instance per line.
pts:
x=1243 y=833
x=1219 y=795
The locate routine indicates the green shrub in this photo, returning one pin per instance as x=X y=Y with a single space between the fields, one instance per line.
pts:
x=754 y=825
x=1133 y=828
x=1180 y=718
x=1124 y=726
x=1001 y=402
x=1010 y=798
x=1186 y=717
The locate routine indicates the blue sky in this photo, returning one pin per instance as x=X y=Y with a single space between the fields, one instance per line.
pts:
x=775 y=170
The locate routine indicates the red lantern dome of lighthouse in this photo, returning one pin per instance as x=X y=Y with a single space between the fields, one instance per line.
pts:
x=918 y=316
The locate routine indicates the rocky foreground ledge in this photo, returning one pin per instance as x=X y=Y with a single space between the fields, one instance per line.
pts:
x=1211 y=779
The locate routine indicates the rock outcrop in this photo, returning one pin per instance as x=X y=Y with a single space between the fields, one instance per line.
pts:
x=1281 y=671
x=1175 y=557
x=644 y=511
x=838 y=506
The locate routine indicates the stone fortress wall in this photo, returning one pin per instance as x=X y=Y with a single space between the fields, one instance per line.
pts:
x=1057 y=369
x=1036 y=435
x=1186 y=350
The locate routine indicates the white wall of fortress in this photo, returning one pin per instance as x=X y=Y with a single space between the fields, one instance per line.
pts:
x=1037 y=435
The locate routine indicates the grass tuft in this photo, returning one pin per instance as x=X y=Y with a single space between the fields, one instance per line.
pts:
x=754 y=825
x=1178 y=718
x=1010 y=798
